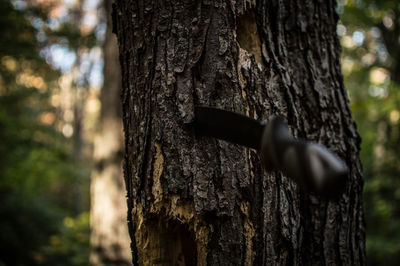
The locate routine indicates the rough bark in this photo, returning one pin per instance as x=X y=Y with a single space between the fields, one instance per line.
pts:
x=110 y=243
x=199 y=200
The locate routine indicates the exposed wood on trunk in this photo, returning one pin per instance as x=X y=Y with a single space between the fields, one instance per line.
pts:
x=259 y=59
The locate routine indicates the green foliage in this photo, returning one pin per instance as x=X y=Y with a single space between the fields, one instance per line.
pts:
x=71 y=246
x=13 y=26
x=26 y=223
x=74 y=37
x=39 y=175
x=370 y=63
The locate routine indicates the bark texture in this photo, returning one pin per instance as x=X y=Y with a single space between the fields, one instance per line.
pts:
x=110 y=243
x=197 y=200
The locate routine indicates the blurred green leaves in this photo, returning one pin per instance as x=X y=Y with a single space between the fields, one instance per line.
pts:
x=72 y=244
x=370 y=37
x=26 y=223
x=39 y=173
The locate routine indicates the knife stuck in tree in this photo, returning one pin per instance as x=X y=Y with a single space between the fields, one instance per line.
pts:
x=311 y=165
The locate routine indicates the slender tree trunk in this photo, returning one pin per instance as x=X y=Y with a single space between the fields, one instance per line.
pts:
x=110 y=243
x=197 y=200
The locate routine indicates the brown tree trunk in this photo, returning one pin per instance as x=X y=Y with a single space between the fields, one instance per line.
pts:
x=110 y=243
x=197 y=200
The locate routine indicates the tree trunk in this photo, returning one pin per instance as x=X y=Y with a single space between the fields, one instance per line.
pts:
x=197 y=200
x=110 y=243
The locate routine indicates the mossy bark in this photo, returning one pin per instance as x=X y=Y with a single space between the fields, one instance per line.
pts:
x=197 y=200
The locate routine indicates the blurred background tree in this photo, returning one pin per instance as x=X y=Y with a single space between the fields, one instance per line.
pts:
x=370 y=37
x=109 y=238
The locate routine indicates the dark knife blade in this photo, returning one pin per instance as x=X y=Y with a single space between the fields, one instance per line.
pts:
x=311 y=165
x=229 y=126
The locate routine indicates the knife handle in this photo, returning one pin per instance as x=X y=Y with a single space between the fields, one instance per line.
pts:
x=311 y=165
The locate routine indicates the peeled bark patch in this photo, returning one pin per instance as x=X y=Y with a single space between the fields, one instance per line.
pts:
x=158 y=167
x=247 y=35
x=164 y=242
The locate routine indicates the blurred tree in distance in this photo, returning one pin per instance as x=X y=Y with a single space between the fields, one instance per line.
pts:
x=370 y=37
x=109 y=238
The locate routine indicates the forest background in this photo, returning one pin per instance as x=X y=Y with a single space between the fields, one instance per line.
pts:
x=50 y=81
